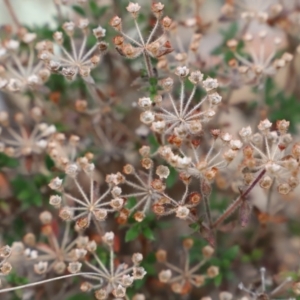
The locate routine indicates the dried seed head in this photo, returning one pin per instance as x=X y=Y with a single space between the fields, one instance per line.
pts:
x=182 y=212
x=83 y=223
x=133 y=8
x=66 y=213
x=29 y=239
x=158 y=209
x=158 y=126
x=157 y=8
x=208 y=251
x=182 y=71
x=69 y=28
x=59 y=267
x=188 y=243
x=80 y=253
x=91 y=246
x=55 y=183
x=199 y=280
x=41 y=267
x=144 y=151
x=55 y=200
x=116 y=191
x=71 y=170
x=166 y=23
x=86 y=287
x=137 y=258
x=5 y=251
x=101 y=294
x=296 y=288
x=74 y=267
x=225 y=296
x=163 y=172
x=266 y=182
x=45 y=217
x=212 y=271
x=119 y=292
x=147 y=163
x=164 y=276
x=147 y=117
x=210 y=84
x=139 y=216
x=245 y=132
x=83 y=25
x=264 y=125
x=108 y=238
x=196 y=77
x=139 y=272
x=145 y=103
x=282 y=126
x=58 y=37
x=6 y=268
x=161 y=256
x=127 y=280
x=284 y=188
x=215 y=98
x=236 y=144
x=117 y=203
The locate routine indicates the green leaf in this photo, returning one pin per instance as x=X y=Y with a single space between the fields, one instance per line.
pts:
x=6 y=161
x=27 y=191
x=218 y=280
x=153 y=143
x=49 y=163
x=80 y=296
x=231 y=32
x=132 y=233
x=131 y=202
x=148 y=233
x=79 y=10
x=172 y=178
x=232 y=253
x=195 y=226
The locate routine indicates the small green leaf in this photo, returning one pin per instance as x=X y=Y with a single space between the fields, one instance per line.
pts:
x=80 y=296
x=148 y=233
x=6 y=161
x=132 y=233
x=172 y=178
x=131 y=202
x=26 y=190
x=49 y=163
x=218 y=280
x=195 y=226
x=79 y=10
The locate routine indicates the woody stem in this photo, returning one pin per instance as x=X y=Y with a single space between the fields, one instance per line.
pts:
x=12 y=13
x=148 y=64
x=233 y=207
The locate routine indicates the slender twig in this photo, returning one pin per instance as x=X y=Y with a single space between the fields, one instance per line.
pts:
x=12 y=13
x=232 y=208
x=43 y=282
x=148 y=64
x=269 y=198
x=206 y=205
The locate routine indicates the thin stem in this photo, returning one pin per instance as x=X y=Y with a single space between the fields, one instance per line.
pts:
x=289 y=279
x=207 y=211
x=153 y=32
x=43 y=282
x=181 y=97
x=270 y=197
x=139 y=32
x=238 y=201
x=148 y=64
x=12 y=13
